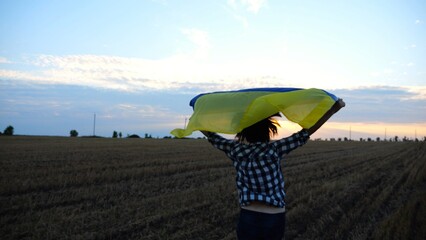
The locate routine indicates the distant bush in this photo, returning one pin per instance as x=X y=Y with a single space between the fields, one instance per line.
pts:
x=133 y=136
x=73 y=133
x=114 y=134
x=8 y=131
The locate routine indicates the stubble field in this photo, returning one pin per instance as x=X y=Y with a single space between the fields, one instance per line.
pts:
x=94 y=188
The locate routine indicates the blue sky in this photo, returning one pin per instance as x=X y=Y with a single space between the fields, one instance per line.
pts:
x=136 y=64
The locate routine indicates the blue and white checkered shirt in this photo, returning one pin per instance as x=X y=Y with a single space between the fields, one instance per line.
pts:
x=258 y=165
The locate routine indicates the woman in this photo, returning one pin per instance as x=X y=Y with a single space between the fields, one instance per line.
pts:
x=259 y=179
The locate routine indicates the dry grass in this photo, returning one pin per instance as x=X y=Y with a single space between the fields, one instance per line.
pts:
x=83 y=188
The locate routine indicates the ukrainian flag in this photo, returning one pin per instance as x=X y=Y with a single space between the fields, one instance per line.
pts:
x=230 y=112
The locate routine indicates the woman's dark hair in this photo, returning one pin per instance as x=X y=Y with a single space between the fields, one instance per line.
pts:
x=261 y=131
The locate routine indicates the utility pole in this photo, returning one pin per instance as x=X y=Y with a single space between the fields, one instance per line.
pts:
x=385 y=134
x=184 y=126
x=350 y=132
x=94 y=124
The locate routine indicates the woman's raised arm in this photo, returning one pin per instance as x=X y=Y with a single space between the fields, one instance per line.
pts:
x=335 y=108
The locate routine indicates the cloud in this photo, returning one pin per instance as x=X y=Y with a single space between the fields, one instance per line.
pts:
x=128 y=74
x=4 y=60
x=252 y=6
x=55 y=109
x=241 y=20
x=411 y=46
x=418 y=21
x=415 y=93
x=200 y=39
x=249 y=6
x=178 y=72
x=139 y=111
x=21 y=75
x=194 y=71
x=383 y=104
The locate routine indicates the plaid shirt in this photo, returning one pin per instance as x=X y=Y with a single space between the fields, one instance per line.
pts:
x=258 y=165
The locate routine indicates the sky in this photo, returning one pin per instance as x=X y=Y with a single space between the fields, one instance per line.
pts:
x=136 y=64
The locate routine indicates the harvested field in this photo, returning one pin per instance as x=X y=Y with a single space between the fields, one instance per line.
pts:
x=95 y=188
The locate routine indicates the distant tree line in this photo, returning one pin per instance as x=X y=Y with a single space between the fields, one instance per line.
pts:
x=377 y=139
x=9 y=131
x=115 y=134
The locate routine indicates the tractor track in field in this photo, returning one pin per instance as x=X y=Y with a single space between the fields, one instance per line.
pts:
x=368 y=202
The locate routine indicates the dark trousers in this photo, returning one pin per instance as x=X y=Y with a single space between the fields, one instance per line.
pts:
x=256 y=225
